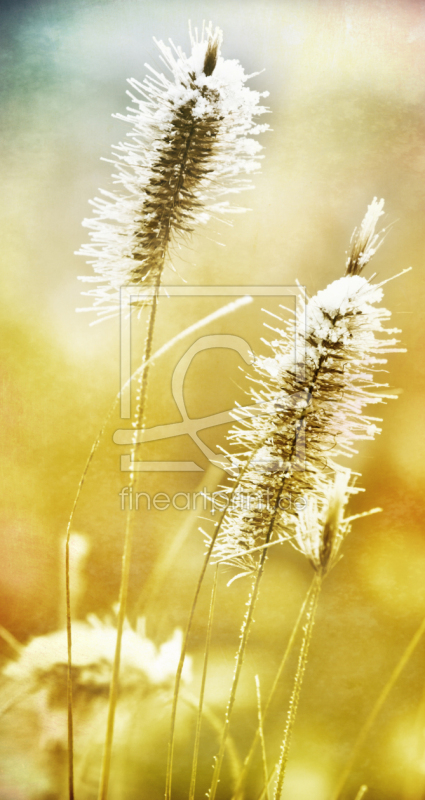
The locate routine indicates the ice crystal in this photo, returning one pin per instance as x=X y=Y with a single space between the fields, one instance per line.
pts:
x=190 y=143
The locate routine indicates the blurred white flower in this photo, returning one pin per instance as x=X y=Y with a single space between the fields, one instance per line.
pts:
x=93 y=654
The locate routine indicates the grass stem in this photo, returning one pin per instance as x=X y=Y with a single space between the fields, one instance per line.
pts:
x=70 y=726
x=10 y=639
x=202 y=692
x=215 y=723
x=238 y=792
x=126 y=560
x=261 y=735
x=414 y=778
x=296 y=690
x=169 y=773
x=246 y=626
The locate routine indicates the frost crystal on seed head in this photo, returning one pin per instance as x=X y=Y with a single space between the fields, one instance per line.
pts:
x=190 y=144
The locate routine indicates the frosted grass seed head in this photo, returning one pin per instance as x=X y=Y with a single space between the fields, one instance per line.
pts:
x=311 y=416
x=190 y=145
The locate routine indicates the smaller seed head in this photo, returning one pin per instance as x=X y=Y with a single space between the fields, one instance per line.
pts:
x=364 y=241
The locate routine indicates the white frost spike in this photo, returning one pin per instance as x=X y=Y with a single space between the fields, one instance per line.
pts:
x=190 y=143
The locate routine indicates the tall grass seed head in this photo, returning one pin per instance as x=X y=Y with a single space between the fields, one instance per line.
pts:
x=313 y=412
x=190 y=145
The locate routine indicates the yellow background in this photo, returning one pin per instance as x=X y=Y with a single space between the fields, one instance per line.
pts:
x=346 y=83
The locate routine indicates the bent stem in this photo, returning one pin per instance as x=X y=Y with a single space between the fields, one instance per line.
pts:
x=411 y=647
x=282 y=664
x=414 y=778
x=70 y=721
x=296 y=690
x=202 y=692
x=126 y=559
x=94 y=447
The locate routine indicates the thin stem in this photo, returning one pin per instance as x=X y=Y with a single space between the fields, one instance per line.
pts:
x=229 y=308
x=392 y=680
x=261 y=734
x=246 y=625
x=202 y=692
x=215 y=723
x=266 y=789
x=256 y=549
x=361 y=793
x=68 y=606
x=10 y=639
x=15 y=698
x=296 y=690
x=278 y=676
x=70 y=719
x=126 y=560
x=169 y=773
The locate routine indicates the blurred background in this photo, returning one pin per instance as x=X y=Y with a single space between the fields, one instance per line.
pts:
x=346 y=83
